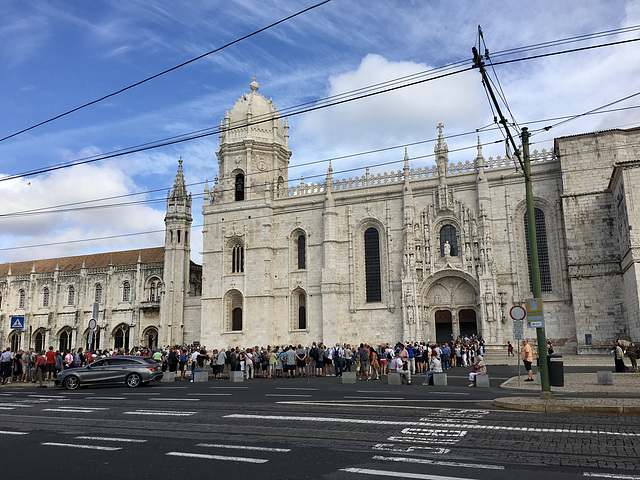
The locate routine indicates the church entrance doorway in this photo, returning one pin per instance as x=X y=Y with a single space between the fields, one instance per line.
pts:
x=444 y=326
x=468 y=324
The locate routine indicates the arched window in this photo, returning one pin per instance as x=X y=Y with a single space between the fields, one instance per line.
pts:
x=155 y=288
x=15 y=341
x=448 y=234
x=45 y=297
x=302 y=252
x=98 y=296
x=71 y=297
x=121 y=337
x=236 y=319
x=39 y=341
x=239 y=187
x=372 y=265
x=0 y=301
x=234 y=311
x=237 y=259
x=21 y=301
x=65 y=340
x=126 y=292
x=302 y=312
x=178 y=232
x=543 y=250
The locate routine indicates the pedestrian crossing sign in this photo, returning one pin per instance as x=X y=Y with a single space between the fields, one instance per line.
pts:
x=17 y=322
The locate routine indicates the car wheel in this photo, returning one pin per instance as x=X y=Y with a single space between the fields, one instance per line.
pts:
x=133 y=380
x=71 y=382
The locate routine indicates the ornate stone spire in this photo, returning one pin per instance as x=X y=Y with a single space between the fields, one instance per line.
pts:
x=254 y=85
x=179 y=186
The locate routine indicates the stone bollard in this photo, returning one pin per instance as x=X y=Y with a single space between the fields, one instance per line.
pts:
x=202 y=376
x=235 y=377
x=482 y=381
x=605 y=377
x=349 y=377
x=439 y=380
x=394 y=379
x=168 y=377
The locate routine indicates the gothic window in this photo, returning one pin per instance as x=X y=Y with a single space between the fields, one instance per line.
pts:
x=45 y=297
x=302 y=312
x=178 y=233
x=71 y=297
x=543 y=250
x=237 y=259
x=39 y=341
x=15 y=341
x=155 y=289
x=21 y=301
x=65 y=341
x=98 y=296
x=121 y=337
x=448 y=234
x=302 y=252
x=234 y=311
x=126 y=292
x=372 y=265
x=239 y=187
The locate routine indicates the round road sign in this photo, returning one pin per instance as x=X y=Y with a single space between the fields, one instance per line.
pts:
x=93 y=324
x=518 y=312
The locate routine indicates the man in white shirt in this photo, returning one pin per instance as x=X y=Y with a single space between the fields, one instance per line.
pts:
x=434 y=368
x=397 y=366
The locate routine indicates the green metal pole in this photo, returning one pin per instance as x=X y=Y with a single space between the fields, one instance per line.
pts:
x=536 y=285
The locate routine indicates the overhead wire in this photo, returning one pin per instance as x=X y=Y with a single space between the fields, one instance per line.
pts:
x=133 y=85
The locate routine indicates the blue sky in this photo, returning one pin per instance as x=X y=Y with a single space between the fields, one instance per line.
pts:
x=55 y=56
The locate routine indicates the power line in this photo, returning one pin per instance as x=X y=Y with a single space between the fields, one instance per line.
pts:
x=164 y=71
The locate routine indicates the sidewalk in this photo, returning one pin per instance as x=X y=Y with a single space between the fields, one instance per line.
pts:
x=621 y=398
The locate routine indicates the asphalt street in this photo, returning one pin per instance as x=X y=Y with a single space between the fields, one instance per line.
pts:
x=295 y=429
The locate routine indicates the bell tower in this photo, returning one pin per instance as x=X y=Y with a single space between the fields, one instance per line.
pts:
x=254 y=149
x=177 y=253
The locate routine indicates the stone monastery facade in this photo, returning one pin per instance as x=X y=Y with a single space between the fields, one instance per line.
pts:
x=415 y=254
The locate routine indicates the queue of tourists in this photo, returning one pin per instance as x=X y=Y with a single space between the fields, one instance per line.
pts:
x=369 y=362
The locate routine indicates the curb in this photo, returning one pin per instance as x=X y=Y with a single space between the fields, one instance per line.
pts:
x=563 y=406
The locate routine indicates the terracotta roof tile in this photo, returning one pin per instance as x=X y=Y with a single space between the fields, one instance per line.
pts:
x=98 y=260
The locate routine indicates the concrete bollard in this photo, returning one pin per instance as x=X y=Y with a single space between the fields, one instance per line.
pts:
x=482 y=381
x=440 y=380
x=349 y=377
x=605 y=377
x=202 y=376
x=394 y=379
x=168 y=377
x=235 y=377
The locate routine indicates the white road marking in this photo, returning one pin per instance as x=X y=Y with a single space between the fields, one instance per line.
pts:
x=17 y=405
x=423 y=440
x=387 y=473
x=109 y=439
x=6 y=432
x=389 y=447
x=611 y=475
x=229 y=387
x=288 y=395
x=295 y=388
x=107 y=398
x=158 y=412
x=61 y=397
x=72 y=410
x=159 y=399
x=80 y=393
x=141 y=393
x=374 y=398
x=217 y=457
x=212 y=394
x=88 y=447
x=431 y=424
x=7 y=408
x=426 y=461
x=244 y=447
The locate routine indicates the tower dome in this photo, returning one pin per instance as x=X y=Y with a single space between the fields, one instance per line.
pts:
x=255 y=117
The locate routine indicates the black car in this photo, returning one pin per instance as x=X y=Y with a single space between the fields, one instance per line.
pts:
x=128 y=370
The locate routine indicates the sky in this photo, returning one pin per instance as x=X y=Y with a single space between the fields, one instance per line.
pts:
x=56 y=56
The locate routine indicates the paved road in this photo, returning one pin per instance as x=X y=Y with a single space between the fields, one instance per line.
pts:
x=291 y=429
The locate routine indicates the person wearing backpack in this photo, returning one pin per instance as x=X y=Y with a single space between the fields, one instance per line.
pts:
x=337 y=360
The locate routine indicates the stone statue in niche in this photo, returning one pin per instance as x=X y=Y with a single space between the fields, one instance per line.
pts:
x=447 y=249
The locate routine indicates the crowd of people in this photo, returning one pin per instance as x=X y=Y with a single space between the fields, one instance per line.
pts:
x=369 y=362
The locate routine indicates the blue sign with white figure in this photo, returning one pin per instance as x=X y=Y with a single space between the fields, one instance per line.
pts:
x=17 y=322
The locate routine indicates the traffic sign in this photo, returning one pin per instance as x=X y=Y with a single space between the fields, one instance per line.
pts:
x=17 y=323
x=518 y=329
x=535 y=314
x=517 y=312
x=93 y=324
